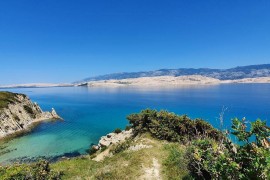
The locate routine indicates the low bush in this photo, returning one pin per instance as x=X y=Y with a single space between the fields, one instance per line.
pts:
x=28 y=109
x=169 y=126
x=117 y=130
x=103 y=148
x=250 y=159
x=128 y=128
x=92 y=150
x=40 y=170
x=121 y=147
x=7 y=98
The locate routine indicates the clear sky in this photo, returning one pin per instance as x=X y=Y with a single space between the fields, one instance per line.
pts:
x=68 y=40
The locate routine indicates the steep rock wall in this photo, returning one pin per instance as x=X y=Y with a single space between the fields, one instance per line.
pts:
x=19 y=113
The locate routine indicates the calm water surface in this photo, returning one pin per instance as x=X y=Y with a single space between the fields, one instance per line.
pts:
x=92 y=112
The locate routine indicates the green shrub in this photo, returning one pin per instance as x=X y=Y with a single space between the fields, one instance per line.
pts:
x=207 y=161
x=40 y=170
x=169 y=126
x=92 y=150
x=121 y=147
x=117 y=130
x=210 y=159
x=128 y=128
x=28 y=109
x=103 y=148
x=7 y=98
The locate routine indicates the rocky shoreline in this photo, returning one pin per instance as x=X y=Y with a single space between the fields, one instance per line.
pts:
x=20 y=114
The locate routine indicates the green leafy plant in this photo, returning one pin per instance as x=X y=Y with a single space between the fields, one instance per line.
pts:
x=29 y=110
x=92 y=150
x=169 y=126
x=128 y=128
x=7 y=98
x=40 y=170
x=210 y=159
x=117 y=130
x=121 y=147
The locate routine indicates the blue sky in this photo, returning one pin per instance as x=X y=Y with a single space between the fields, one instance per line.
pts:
x=68 y=40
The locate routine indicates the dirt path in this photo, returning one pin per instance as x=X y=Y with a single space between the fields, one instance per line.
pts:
x=101 y=156
x=152 y=173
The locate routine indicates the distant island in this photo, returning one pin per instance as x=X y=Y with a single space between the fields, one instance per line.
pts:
x=170 y=81
x=168 y=77
x=182 y=76
x=241 y=72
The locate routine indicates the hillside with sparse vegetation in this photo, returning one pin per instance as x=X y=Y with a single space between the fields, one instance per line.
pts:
x=7 y=98
x=18 y=113
x=241 y=72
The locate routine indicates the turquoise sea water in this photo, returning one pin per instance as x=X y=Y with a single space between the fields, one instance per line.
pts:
x=92 y=112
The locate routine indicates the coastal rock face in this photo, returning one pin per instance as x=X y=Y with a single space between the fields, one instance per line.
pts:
x=108 y=140
x=18 y=112
x=114 y=138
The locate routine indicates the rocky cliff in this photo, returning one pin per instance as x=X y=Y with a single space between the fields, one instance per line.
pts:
x=17 y=112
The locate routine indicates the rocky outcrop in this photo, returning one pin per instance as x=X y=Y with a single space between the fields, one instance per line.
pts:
x=108 y=140
x=138 y=147
x=19 y=113
x=113 y=138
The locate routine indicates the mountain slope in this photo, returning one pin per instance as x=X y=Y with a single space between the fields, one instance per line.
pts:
x=240 y=72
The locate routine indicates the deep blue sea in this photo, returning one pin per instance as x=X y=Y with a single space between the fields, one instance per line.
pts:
x=90 y=113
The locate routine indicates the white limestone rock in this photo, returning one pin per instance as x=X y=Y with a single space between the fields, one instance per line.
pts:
x=114 y=138
x=20 y=114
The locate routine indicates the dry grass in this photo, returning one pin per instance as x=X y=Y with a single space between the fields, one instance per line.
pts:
x=126 y=164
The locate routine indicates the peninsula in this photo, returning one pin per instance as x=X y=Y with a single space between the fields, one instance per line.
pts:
x=36 y=85
x=18 y=112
